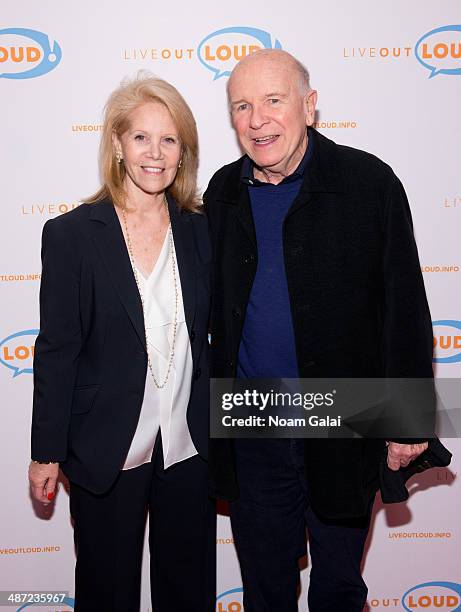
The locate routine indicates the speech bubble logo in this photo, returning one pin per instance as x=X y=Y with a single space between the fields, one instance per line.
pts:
x=447 y=341
x=17 y=354
x=221 y=50
x=230 y=601
x=67 y=601
x=26 y=54
x=439 y=51
x=431 y=595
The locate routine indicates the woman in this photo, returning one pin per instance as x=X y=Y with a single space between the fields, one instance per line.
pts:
x=121 y=363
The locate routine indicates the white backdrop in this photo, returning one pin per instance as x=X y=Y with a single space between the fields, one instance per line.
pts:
x=387 y=84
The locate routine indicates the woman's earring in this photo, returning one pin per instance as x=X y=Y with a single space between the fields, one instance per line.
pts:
x=118 y=156
x=180 y=163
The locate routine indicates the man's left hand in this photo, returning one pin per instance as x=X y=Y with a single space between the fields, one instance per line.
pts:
x=400 y=455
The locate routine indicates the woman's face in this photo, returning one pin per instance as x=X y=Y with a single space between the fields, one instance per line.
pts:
x=150 y=149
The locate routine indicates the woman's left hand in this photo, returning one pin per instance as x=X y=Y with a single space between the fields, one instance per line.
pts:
x=43 y=478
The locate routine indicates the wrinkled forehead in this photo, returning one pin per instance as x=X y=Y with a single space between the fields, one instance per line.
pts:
x=260 y=75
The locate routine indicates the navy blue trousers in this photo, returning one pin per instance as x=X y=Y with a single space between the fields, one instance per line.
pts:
x=269 y=522
x=109 y=536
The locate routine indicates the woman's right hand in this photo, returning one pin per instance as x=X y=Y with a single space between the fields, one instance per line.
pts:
x=43 y=478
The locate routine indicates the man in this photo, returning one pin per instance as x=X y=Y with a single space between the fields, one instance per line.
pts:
x=316 y=274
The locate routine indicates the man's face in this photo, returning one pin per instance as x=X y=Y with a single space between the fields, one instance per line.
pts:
x=270 y=114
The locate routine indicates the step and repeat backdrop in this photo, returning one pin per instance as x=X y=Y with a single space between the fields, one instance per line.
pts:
x=389 y=81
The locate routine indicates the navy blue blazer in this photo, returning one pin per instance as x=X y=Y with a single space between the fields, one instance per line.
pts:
x=90 y=359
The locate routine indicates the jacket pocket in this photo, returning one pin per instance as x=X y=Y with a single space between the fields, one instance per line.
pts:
x=83 y=398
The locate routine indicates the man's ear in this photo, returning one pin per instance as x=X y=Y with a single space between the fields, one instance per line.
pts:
x=310 y=102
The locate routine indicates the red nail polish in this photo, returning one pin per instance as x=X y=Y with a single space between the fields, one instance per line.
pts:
x=50 y=495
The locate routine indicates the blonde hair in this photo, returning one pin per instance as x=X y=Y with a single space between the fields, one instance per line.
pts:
x=130 y=95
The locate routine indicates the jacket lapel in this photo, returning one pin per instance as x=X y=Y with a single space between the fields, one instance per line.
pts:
x=236 y=192
x=110 y=243
x=182 y=229
x=245 y=216
x=322 y=173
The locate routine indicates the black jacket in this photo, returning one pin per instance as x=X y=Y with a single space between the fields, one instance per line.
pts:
x=90 y=356
x=357 y=297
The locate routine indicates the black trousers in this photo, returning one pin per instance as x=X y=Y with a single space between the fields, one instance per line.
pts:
x=269 y=523
x=109 y=535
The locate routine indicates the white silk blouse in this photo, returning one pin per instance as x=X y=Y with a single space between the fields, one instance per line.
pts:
x=164 y=409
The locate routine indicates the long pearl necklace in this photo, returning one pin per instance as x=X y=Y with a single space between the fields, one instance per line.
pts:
x=175 y=281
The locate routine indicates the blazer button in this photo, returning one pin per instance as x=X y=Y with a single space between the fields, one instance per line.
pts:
x=249 y=259
x=197 y=373
x=236 y=313
x=192 y=336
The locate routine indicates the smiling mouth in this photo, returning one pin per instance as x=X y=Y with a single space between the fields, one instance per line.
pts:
x=265 y=140
x=152 y=169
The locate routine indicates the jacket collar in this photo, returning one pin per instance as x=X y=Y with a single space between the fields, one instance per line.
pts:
x=323 y=173
x=111 y=245
x=104 y=212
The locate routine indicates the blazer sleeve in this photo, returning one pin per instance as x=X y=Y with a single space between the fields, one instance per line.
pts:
x=407 y=326
x=58 y=344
